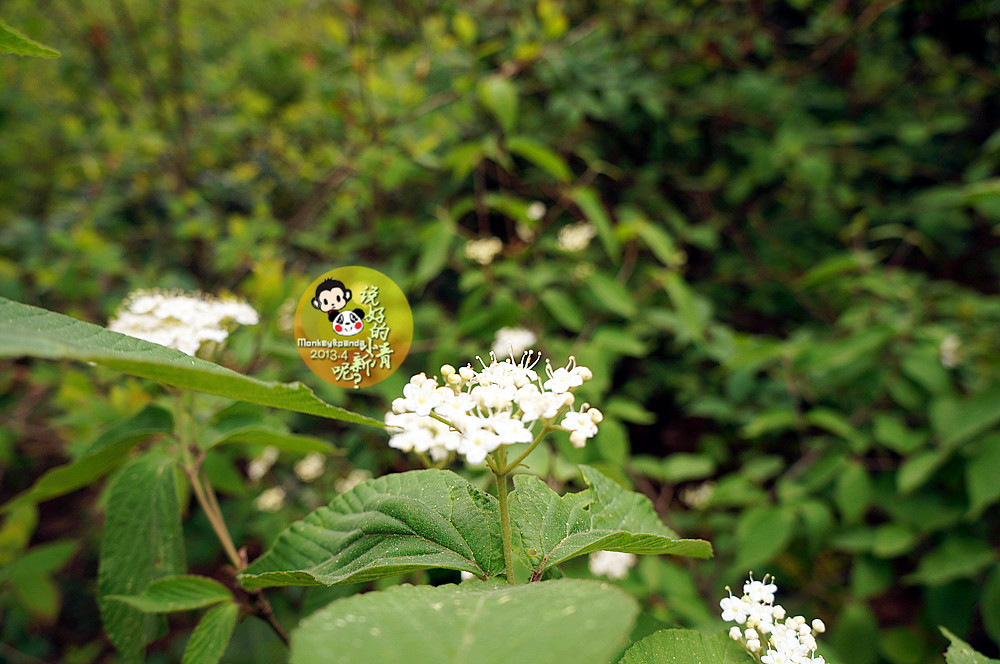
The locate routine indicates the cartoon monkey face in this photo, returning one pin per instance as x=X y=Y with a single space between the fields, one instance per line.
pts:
x=331 y=296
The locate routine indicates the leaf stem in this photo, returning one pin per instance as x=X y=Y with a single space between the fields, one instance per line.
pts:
x=500 y=459
x=209 y=502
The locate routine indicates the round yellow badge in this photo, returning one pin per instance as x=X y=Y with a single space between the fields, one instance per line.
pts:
x=353 y=326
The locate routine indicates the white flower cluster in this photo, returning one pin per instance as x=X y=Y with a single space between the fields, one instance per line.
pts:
x=783 y=640
x=180 y=320
x=612 y=564
x=475 y=412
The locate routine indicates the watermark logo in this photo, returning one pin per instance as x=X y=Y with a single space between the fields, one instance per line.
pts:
x=353 y=326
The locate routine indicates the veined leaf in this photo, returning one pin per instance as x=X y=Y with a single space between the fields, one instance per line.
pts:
x=390 y=525
x=568 y=620
x=105 y=453
x=209 y=640
x=686 y=646
x=177 y=593
x=142 y=542
x=551 y=529
x=30 y=331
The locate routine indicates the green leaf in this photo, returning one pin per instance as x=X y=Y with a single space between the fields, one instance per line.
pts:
x=661 y=244
x=34 y=332
x=105 y=453
x=958 y=557
x=917 y=469
x=853 y=492
x=499 y=95
x=12 y=41
x=612 y=295
x=837 y=424
x=536 y=623
x=142 y=542
x=435 y=250
x=209 y=640
x=390 y=525
x=981 y=473
x=551 y=529
x=562 y=308
x=960 y=652
x=177 y=593
x=30 y=578
x=540 y=155
x=956 y=421
x=268 y=435
x=989 y=604
x=685 y=304
x=762 y=533
x=686 y=646
x=593 y=210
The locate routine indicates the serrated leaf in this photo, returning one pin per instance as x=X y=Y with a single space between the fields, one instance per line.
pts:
x=593 y=210
x=273 y=437
x=541 y=156
x=686 y=646
x=568 y=620
x=393 y=524
x=960 y=652
x=209 y=640
x=551 y=529
x=105 y=453
x=142 y=542
x=177 y=593
x=30 y=331
x=12 y=41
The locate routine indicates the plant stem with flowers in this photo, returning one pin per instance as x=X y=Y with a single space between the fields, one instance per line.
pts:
x=477 y=414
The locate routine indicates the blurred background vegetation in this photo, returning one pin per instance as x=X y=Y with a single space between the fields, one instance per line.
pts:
x=789 y=299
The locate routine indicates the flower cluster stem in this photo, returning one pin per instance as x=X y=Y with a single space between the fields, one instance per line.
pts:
x=502 y=498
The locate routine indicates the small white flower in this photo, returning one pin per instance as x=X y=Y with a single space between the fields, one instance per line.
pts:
x=949 y=351
x=513 y=341
x=734 y=633
x=576 y=237
x=612 y=564
x=818 y=626
x=483 y=250
x=259 y=466
x=310 y=467
x=354 y=478
x=536 y=210
x=270 y=500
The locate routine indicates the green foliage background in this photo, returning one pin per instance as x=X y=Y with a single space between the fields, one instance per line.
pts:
x=790 y=306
